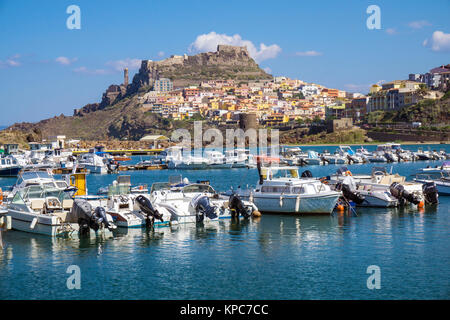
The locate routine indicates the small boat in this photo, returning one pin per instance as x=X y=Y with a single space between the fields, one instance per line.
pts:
x=92 y=162
x=313 y=158
x=216 y=160
x=441 y=181
x=239 y=158
x=50 y=211
x=347 y=152
x=197 y=202
x=444 y=168
x=175 y=159
x=9 y=167
x=282 y=190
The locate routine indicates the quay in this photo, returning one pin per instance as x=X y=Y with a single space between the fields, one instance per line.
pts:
x=121 y=152
x=142 y=167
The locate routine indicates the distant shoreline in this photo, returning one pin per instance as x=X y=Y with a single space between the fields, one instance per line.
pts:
x=364 y=143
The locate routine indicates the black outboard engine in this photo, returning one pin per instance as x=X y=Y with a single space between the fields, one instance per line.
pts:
x=306 y=174
x=88 y=219
x=399 y=192
x=146 y=207
x=203 y=208
x=430 y=192
x=237 y=207
x=354 y=196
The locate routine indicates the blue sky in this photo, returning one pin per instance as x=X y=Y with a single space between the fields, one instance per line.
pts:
x=47 y=69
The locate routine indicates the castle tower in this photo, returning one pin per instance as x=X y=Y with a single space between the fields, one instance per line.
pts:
x=125 y=77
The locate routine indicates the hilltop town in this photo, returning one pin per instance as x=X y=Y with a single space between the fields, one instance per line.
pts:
x=227 y=89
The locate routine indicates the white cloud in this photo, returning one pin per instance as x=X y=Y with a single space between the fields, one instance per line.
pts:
x=268 y=70
x=310 y=53
x=12 y=61
x=419 y=24
x=439 y=41
x=161 y=54
x=391 y=31
x=209 y=41
x=129 y=63
x=65 y=61
x=90 y=71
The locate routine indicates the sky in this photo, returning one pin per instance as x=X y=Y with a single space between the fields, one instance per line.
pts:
x=47 y=69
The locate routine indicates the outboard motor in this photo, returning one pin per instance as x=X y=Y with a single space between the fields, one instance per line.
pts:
x=146 y=207
x=88 y=219
x=203 y=208
x=399 y=192
x=354 y=196
x=306 y=174
x=430 y=192
x=237 y=207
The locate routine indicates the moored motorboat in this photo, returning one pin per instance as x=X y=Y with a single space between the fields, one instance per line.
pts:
x=281 y=190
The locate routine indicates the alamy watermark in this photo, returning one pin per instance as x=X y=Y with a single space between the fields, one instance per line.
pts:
x=256 y=140
x=374 y=280
x=74 y=280
x=74 y=20
x=374 y=20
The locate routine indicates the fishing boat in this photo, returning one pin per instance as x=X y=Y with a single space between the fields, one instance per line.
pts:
x=282 y=190
x=49 y=211
x=197 y=202
x=9 y=167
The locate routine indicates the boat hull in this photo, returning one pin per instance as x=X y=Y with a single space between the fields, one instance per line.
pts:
x=288 y=203
x=9 y=172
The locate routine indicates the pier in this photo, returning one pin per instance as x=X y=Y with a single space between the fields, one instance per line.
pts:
x=121 y=152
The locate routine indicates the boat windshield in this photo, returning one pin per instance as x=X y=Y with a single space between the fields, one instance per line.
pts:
x=198 y=188
x=284 y=173
x=42 y=192
x=160 y=186
x=36 y=175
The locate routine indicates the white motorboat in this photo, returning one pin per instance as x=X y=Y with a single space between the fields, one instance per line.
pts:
x=444 y=168
x=46 y=210
x=313 y=158
x=281 y=190
x=44 y=178
x=130 y=207
x=216 y=160
x=361 y=195
x=175 y=159
x=239 y=158
x=347 y=152
x=441 y=181
x=92 y=162
x=406 y=192
x=197 y=202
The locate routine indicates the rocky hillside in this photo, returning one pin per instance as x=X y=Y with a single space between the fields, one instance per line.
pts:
x=119 y=115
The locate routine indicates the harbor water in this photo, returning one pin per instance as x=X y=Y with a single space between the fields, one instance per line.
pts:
x=272 y=257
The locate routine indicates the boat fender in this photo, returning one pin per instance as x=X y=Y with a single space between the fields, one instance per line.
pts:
x=297 y=203
x=33 y=223
x=281 y=201
x=1 y=196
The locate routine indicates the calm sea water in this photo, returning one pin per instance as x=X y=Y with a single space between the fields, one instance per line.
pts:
x=274 y=257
